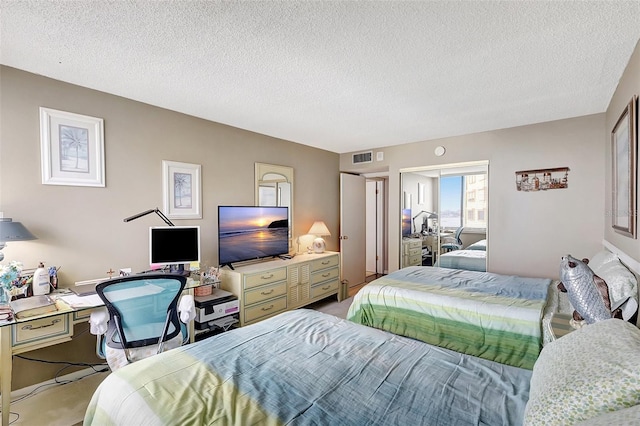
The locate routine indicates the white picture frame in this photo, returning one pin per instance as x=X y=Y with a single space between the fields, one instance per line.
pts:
x=181 y=190
x=71 y=148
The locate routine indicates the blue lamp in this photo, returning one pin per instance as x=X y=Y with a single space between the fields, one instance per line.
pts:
x=12 y=231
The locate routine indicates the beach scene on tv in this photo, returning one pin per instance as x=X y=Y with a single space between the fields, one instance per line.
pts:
x=252 y=233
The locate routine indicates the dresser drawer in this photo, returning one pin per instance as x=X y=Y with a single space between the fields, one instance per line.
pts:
x=325 y=288
x=265 y=309
x=416 y=251
x=40 y=332
x=320 y=276
x=415 y=259
x=264 y=293
x=325 y=262
x=268 y=277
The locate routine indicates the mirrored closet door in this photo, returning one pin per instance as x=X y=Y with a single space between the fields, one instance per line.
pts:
x=445 y=212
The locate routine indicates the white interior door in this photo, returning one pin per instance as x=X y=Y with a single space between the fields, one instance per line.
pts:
x=371 y=231
x=352 y=229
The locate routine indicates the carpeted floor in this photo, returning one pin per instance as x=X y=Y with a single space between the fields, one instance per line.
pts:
x=332 y=306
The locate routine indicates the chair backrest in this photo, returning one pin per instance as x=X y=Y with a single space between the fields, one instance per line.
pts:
x=457 y=235
x=143 y=309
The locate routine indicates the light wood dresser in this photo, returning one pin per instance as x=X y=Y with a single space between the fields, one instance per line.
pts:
x=268 y=288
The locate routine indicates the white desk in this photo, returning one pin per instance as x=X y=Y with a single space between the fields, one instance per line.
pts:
x=53 y=328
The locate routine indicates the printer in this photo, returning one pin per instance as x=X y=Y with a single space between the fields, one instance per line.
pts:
x=212 y=309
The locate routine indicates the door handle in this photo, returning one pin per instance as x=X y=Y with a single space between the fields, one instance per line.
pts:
x=343 y=237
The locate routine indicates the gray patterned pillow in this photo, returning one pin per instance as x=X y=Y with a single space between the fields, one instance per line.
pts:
x=589 y=372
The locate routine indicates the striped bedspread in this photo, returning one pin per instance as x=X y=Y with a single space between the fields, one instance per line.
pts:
x=492 y=316
x=307 y=368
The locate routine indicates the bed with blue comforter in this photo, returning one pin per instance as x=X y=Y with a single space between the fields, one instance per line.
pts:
x=303 y=367
x=492 y=316
x=470 y=260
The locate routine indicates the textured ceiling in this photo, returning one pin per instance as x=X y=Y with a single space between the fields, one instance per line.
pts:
x=342 y=76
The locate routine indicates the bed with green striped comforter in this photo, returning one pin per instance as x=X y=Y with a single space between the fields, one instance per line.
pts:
x=492 y=316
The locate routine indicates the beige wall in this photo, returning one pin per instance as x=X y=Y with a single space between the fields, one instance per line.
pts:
x=628 y=86
x=527 y=232
x=81 y=229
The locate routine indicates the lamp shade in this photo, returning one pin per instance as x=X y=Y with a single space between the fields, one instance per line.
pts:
x=320 y=229
x=13 y=231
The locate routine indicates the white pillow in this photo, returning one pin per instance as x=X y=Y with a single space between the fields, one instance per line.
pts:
x=586 y=373
x=621 y=282
x=602 y=258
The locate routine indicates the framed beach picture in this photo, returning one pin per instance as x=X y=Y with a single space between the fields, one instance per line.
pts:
x=181 y=190
x=72 y=148
x=624 y=154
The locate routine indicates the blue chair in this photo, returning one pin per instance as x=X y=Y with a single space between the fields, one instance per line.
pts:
x=143 y=315
x=452 y=243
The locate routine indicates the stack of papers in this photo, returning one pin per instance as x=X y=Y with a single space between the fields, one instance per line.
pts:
x=87 y=301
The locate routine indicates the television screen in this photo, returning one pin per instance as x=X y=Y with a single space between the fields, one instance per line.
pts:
x=174 y=245
x=251 y=232
x=406 y=222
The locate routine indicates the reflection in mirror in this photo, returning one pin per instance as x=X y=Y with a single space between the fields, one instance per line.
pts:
x=274 y=188
x=452 y=198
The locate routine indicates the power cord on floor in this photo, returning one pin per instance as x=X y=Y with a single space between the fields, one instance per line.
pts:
x=97 y=368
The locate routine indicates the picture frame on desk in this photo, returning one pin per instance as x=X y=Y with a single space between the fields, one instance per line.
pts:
x=181 y=190
x=72 y=149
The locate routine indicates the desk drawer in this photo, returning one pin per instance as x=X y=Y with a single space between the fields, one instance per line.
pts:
x=265 y=309
x=40 y=332
x=84 y=315
x=267 y=277
x=264 y=293
x=326 y=262
x=320 y=276
x=325 y=288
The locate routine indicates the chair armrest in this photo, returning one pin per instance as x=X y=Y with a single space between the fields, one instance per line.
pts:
x=187 y=308
x=98 y=321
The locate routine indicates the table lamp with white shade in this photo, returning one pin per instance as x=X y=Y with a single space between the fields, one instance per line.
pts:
x=319 y=229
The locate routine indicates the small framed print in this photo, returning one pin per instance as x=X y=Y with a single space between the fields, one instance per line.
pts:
x=181 y=190
x=72 y=148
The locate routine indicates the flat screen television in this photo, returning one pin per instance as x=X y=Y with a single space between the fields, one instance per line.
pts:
x=406 y=222
x=174 y=245
x=251 y=232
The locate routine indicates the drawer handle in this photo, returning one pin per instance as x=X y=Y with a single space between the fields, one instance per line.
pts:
x=328 y=274
x=30 y=327
x=264 y=293
x=326 y=262
x=263 y=277
x=267 y=309
x=326 y=288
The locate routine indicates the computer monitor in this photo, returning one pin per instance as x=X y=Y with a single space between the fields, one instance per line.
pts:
x=174 y=245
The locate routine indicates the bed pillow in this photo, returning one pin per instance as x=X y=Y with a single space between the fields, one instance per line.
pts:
x=583 y=375
x=602 y=258
x=621 y=282
x=478 y=245
x=626 y=416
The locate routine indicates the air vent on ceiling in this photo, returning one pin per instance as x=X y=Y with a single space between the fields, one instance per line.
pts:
x=363 y=157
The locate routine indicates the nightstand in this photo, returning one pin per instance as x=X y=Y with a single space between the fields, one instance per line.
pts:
x=560 y=325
